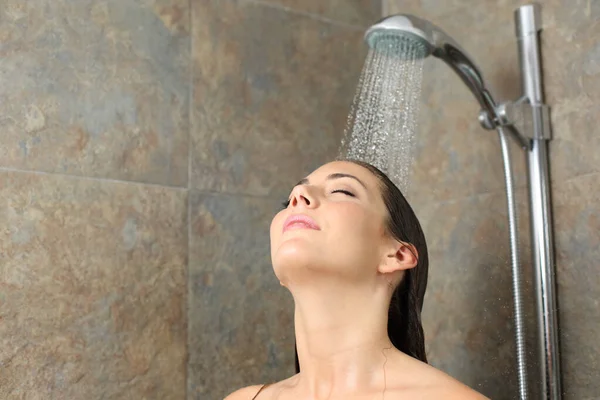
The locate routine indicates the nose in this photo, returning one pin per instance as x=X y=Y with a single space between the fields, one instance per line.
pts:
x=301 y=195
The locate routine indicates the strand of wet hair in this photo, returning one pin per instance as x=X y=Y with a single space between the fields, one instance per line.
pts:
x=384 y=375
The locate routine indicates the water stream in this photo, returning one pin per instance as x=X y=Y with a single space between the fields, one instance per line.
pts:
x=382 y=122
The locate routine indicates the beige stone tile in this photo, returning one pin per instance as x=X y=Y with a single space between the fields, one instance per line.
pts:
x=577 y=235
x=92 y=289
x=442 y=12
x=572 y=75
x=454 y=156
x=355 y=12
x=241 y=328
x=98 y=89
x=272 y=93
x=468 y=309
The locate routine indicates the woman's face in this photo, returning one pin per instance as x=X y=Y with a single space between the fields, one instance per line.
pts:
x=341 y=226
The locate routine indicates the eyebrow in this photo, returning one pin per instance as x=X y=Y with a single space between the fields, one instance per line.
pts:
x=337 y=175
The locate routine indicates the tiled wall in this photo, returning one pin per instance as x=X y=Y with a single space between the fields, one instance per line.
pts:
x=94 y=132
x=144 y=147
x=458 y=192
x=146 y=144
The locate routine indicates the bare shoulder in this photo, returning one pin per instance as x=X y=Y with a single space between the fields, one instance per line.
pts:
x=431 y=383
x=245 y=393
x=444 y=386
x=455 y=391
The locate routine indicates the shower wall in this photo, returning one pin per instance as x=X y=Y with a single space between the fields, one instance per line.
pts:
x=458 y=193
x=140 y=138
x=94 y=132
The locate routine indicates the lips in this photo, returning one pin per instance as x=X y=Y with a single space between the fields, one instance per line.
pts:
x=300 y=221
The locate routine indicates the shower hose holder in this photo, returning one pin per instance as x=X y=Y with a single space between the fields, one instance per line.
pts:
x=525 y=120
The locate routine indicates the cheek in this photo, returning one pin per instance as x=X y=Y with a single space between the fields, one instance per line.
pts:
x=354 y=242
x=276 y=225
x=273 y=224
x=355 y=223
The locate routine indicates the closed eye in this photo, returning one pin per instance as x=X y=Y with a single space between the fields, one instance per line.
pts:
x=286 y=204
x=345 y=192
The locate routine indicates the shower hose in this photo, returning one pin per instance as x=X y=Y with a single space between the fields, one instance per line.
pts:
x=516 y=266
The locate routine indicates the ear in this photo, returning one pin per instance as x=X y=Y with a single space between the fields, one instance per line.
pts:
x=399 y=256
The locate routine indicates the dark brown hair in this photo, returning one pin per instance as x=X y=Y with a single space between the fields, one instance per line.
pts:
x=404 y=316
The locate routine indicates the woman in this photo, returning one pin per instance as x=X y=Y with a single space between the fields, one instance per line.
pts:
x=351 y=251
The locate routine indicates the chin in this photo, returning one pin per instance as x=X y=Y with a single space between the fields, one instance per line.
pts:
x=294 y=255
x=293 y=252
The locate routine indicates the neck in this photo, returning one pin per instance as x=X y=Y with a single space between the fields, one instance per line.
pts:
x=341 y=337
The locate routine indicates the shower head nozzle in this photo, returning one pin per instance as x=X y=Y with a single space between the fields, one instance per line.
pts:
x=435 y=42
x=406 y=27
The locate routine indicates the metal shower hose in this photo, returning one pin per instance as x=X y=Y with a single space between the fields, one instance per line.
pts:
x=516 y=271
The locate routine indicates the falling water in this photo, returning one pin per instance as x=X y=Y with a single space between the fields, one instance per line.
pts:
x=382 y=121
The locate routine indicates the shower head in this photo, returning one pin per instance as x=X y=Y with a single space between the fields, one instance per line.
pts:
x=408 y=27
x=435 y=42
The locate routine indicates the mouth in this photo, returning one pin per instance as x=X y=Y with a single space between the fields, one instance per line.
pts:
x=300 y=221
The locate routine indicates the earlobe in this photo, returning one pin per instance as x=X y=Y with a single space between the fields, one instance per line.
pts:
x=394 y=261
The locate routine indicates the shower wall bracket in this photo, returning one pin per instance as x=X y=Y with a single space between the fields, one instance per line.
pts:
x=532 y=121
x=524 y=120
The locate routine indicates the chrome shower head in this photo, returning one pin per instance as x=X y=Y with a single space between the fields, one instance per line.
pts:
x=434 y=42
x=408 y=27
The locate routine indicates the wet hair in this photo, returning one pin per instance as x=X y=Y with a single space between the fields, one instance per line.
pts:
x=404 y=315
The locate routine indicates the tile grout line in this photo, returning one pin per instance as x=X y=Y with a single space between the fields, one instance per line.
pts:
x=91 y=178
x=241 y=194
x=233 y=194
x=189 y=201
x=273 y=195
x=305 y=14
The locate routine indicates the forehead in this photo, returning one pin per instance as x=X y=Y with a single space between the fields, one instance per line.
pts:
x=321 y=173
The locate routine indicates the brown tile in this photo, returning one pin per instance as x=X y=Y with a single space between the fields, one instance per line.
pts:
x=468 y=311
x=454 y=156
x=96 y=88
x=92 y=289
x=442 y=12
x=569 y=15
x=571 y=73
x=577 y=234
x=420 y=8
x=355 y=12
x=241 y=328
x=389 y=7
x=272 y=94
